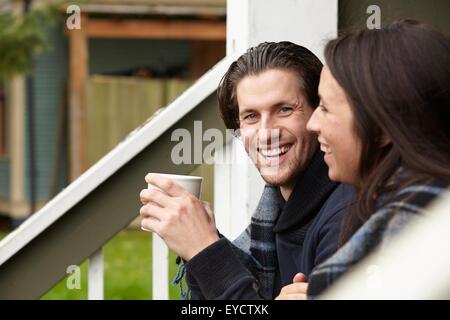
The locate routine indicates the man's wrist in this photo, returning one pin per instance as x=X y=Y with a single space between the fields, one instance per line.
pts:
x=214 y=238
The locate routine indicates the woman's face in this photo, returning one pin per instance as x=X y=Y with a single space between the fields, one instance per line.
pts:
x=333 y=122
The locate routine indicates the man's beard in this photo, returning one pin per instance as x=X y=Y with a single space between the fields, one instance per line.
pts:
x=282 y=175
x=278 y=170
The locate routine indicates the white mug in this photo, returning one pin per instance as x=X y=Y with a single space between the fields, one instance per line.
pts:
x=192 y=184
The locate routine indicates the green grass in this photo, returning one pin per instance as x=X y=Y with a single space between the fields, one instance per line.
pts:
x=127 y=271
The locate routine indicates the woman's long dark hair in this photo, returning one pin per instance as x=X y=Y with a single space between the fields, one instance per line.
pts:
x=397 y=80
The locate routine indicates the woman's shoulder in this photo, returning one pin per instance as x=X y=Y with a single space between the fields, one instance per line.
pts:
x=406 y=204
x=416 y=195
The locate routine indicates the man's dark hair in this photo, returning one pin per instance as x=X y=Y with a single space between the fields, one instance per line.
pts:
x=283 y=55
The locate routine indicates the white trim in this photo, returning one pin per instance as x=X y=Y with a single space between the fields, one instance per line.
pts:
x=246 y=188
x=237 y=26
x=113 y=161
x=309 y=23
x=222 y=193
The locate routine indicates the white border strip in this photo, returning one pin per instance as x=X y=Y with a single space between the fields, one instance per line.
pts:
x=113 y=161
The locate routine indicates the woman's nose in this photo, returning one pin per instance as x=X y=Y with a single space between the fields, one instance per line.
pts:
x=312 y=124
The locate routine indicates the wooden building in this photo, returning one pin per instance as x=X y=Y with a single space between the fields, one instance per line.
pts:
x=122 y=47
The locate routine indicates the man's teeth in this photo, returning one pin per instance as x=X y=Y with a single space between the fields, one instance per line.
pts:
x=274 y=152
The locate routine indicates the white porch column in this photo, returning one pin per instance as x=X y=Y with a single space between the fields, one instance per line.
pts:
x=18 y=204
x=309 y=23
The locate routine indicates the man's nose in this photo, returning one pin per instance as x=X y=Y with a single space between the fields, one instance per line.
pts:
x=268 y=132
x=266 y=122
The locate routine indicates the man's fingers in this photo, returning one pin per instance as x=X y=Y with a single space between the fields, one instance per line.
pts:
x=298 y=287
x=144 y=196
x=299 y=277
x=208 y=209
x=166 y=185
x=155 y=196
x=152 y=211
x=149 y=224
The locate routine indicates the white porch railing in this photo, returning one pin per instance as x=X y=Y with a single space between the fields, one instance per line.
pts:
x=160 y=267
x=160 y=272
x=96 y=276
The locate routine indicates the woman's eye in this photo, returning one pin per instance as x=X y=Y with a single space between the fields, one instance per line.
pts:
x=323 y=108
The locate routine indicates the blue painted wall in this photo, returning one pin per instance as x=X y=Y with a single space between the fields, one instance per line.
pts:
x=50 y=79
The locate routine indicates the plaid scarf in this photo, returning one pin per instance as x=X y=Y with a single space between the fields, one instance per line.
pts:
x=257 y=242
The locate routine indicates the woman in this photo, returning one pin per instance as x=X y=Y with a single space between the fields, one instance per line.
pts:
x=383 y=124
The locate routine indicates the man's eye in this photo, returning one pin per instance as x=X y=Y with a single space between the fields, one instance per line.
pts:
x=286 y=109
x=250 y=117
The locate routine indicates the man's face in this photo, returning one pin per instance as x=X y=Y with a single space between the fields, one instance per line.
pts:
x=273 y=114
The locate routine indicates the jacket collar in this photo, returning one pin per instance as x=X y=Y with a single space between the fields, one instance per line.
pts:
x=310 y=193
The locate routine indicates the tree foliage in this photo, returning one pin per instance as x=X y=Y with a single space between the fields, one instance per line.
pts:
x=21 y=37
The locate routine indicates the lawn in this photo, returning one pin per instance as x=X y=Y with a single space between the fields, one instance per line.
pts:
x=128 y=264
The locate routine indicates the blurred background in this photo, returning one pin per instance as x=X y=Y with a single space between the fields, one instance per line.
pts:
x=125 y=66
x=68 y=97
x=128 y=60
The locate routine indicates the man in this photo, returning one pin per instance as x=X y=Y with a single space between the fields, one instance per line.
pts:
x=269 y=94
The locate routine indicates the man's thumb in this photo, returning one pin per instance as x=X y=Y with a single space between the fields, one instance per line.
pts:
x=299 y=277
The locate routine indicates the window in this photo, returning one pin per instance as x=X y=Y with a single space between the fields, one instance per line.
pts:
x=3 y=122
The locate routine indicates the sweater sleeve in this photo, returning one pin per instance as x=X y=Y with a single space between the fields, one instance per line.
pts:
x=195 y=292
x=217 y=273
